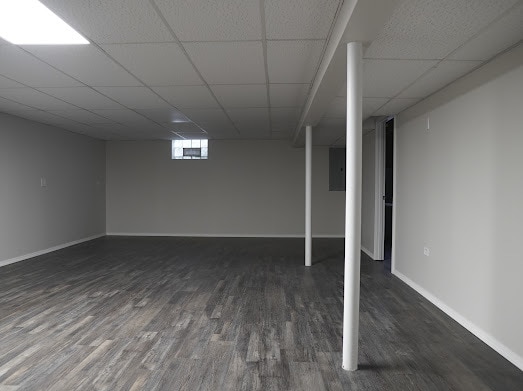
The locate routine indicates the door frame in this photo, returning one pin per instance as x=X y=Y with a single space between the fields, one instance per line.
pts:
x=379 y=190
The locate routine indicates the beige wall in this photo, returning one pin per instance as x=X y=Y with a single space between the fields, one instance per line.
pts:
x=70 y=208
x=246 y=188
x=459 y=193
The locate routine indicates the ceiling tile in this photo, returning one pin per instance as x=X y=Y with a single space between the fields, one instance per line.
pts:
x=254 y=130
x=134 y=97
x=283 y=128
x=293 y=61
x=299 y=19
x=9 y=106
x=82 y=116
x=445 y=73
x=123 y=116
x=83 y=97
x=327 y=136
x=188 y=97
x=333 y=122
x=280 y=135
x=43 y=117
x=244 y=95
x=427 y=29
x=187 y=127
x=218 y=126
x=8 y=83
x=285 y=114
x=395 y=106
x=337 y=108
x=115 y=21
x=228 y=62
x=386 y=78
x=34 y=98
x=206 y=115
x=370 y=105
x=501 y=35
x=156 y=64
x=86 y=63
x=163 y=115
x=189 y=136
x=253 y=115
x=288 y=95
x=24 y=68
x=204 y=20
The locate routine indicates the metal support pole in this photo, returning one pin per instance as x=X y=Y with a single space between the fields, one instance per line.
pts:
x=351 y=296
x=308 y=203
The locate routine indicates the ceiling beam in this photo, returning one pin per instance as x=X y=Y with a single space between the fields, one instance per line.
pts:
x=358 y=21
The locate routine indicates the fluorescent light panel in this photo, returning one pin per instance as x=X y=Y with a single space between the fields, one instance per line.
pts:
x=29 y=22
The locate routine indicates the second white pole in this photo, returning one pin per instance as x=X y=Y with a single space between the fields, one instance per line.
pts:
x=308 y=195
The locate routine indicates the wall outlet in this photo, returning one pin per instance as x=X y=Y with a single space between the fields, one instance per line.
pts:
x=426 y=251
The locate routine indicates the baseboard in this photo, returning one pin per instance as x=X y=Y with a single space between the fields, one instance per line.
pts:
x=48 y=250
x=220 y=235
x=474 y=329
x=370 y=254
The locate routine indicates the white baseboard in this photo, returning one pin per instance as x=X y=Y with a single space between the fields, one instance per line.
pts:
x=474 y=329
x=219 y=235
x=48 y=250
x=370 y=254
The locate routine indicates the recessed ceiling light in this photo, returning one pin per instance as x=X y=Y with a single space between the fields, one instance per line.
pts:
x=29 y=22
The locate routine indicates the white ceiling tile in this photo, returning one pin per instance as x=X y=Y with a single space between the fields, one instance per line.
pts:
x=225 y=135
x=82 y=116
x=188 y=97
x=428 y=29
x=445 y=73
x=285 y=114
x=204 y=20
x=244 y=95
x=187 y=127
x=123 y=116
x=8 y=83
x=299 y=19
x=114 y=21
x=206 y=115
x=9 y=106
x=43 y=117
x=386 y=78
x=218 y=126
x=253 y=115
x=501 y=35
x=280 y=135
x=83 y=97
x=288 y=95
x=370 y=105
x=293 y=61
x=189 y=136
x=24 y=68
x=134 y=97
x=156 y=64
x=228 y=62
x=283 y=127
x=163 y=115
x=34 y=98
x=337 y=108
x=395 y=106
x=86 y=63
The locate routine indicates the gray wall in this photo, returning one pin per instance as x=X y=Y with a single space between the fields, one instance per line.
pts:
x=459 y=193
x=368 y=192
x=70 y=208
x=245 y=188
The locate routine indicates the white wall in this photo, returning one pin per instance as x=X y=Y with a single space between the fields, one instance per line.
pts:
x=245 y=188
x=71 y=207
x=368 y=192
x=459 y=192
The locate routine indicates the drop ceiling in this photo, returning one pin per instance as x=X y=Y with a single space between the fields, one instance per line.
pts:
x=240 y=69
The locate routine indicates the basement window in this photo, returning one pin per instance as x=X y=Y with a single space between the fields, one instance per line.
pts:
x=190 y=149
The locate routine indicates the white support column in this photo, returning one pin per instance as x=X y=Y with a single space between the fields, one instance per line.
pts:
x=351 y=296
x=308 y=197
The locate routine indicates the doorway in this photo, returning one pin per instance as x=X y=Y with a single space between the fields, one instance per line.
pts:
x=389 y=191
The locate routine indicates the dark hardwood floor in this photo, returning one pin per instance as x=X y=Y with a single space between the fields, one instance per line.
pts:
x=224 y=314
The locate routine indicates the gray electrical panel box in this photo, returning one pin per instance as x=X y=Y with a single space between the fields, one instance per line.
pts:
x=337 y=174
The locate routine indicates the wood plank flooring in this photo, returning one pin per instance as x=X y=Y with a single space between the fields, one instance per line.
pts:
x=224 y=314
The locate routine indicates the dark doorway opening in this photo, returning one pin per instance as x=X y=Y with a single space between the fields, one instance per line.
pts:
x=389 y=180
